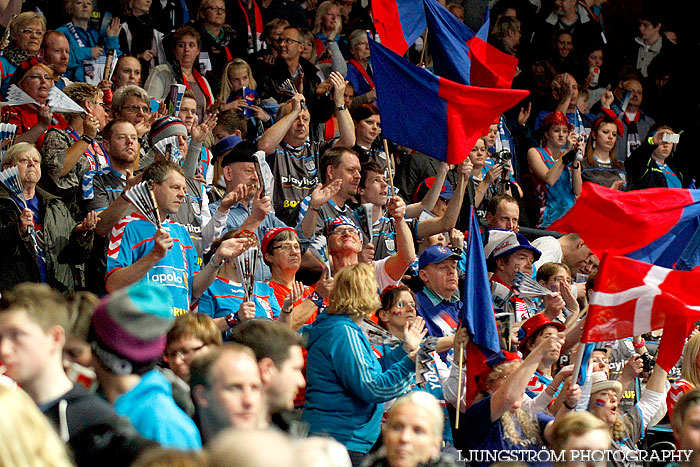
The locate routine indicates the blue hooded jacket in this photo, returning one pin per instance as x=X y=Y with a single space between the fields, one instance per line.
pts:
x=346 y=383
x=151 y=408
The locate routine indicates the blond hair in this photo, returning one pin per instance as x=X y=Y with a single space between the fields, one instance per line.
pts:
x=321 y=11
x=226 y=86
x=19 y=149
x=428 y=402
x=529 y=434
x=23 y=20
x=29 y=440
x=355 y=292
x=574 y=424
x=689 y=370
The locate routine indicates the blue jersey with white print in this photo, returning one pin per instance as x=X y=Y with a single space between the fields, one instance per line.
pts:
x=132 y=239
x=224 y=297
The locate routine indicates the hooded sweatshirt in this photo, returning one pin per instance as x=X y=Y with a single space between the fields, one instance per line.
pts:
x=153 y=412
x=346 y=383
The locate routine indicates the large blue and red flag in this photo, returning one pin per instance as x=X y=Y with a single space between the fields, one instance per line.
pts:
x=631 y=298
x=430 y=114
x=461 y=55
x=398 y=22
x=477 y=311
x=653 y=225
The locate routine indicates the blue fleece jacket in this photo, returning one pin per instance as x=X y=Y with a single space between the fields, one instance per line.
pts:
x=151 y=408
x=346 y=383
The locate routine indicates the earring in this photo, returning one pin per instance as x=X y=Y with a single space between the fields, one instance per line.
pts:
x=593 y=143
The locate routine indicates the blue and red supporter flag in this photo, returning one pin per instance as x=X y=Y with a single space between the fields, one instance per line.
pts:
x=430 y=114
x=631 y=298
x=652 y=225
x=461 y=55
x=477 y=311
x=398 y=22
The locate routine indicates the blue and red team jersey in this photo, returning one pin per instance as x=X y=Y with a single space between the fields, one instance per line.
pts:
x=224 y=297
x=132 y=239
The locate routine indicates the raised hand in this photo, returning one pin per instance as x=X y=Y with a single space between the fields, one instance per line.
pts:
x=246 y=311
x=339 y=83
x=240 y=192
x=413 y=334
x=199 y=132
x=162 y=242
x=397 y=208
x=233 y=247
x=114 y=27
x=322 y=194
x=26 y=220
x=88 y=223
x=294 y=295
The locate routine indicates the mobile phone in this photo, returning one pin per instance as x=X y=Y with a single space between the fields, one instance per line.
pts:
x=670 y=138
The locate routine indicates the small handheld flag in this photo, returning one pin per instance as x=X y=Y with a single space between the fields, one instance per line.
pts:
x=142 y=197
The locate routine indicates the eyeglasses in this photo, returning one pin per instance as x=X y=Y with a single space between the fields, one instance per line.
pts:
x=406 y=305
x=136 y=108
x=39 y=77
x=288 y=40
x=287 y=247
x=345 y=230
x=184 y=353
x=216 y=9
x=35 y=32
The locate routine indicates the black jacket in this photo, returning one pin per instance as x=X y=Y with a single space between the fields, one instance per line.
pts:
x=97 y=435
x=642 y=171
x=63 y=245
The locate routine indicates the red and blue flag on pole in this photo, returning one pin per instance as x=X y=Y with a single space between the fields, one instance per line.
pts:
x=398 y=22
x=477 y=310
x=430 y=114
x=653 y=225
x=461 y=55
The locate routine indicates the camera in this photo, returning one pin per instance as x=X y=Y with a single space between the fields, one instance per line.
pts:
x=502 y=157
x=648 y=361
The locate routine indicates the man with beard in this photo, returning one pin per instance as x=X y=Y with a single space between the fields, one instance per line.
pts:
x=101 y=190
x=55 y=51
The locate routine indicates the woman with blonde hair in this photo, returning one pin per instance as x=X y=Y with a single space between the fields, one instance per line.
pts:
x=496 y=420
x=26 y=34
x=28 y=439
x=346 y=383
x=690 y=375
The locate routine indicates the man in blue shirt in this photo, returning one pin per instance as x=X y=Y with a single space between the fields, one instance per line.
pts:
x=138 y=252
x=437 y=303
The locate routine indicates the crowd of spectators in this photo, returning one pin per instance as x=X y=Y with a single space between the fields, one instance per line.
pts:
x=291 y=293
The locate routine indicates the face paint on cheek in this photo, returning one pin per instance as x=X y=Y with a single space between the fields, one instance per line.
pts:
x=396 y=312
x=600 y=402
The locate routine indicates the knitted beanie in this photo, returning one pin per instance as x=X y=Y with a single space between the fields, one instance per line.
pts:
x=132 y=322
x=166 y=126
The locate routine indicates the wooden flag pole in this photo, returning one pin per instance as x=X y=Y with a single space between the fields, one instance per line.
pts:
x=388 y=167
x=459 y=385
x=425 y=43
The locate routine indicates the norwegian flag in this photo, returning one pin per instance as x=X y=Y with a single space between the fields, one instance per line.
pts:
x=631 y=298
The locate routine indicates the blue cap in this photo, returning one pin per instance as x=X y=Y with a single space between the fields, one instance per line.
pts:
x=503 y=242
x=226 y=144
x=436 y=254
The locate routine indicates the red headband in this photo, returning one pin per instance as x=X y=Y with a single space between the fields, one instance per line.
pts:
x=611 y=115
